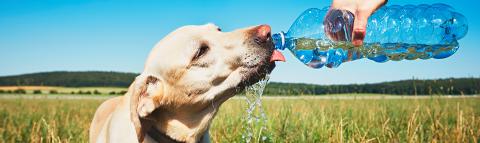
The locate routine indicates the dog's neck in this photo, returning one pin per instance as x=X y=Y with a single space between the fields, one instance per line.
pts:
x=178 y=117
x=183 y=127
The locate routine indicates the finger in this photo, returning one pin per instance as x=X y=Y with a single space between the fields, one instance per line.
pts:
x=349 y=5
x=360 y=27
x=378 y=4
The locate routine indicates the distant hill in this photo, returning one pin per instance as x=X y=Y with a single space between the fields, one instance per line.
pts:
x=449 y=86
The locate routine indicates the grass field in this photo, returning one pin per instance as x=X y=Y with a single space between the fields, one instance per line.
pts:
x=289 y=120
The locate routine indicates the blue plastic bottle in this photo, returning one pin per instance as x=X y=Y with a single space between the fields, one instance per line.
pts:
x=393 y=33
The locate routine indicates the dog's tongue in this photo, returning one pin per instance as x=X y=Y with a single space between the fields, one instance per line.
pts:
x=277 y=56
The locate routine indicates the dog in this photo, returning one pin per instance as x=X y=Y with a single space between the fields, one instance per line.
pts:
x=186 y=77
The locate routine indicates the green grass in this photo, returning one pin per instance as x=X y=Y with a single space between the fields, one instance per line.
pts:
x=33 y=120
x=289 y=120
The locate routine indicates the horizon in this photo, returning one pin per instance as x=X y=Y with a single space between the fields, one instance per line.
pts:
x=117 y=36
x=412 y=78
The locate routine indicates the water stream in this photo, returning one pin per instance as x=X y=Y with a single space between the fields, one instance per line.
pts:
x=255 y=119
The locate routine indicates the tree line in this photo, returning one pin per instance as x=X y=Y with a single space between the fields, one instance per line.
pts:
x=70 y=79
x=79 y=92
x=449 y=86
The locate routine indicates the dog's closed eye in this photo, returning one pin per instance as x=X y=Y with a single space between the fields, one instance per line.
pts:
x=202 y=50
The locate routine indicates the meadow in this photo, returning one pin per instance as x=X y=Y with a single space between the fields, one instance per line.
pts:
x=289 y=120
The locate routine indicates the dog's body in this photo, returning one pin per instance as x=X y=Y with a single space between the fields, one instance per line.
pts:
x=187 y=76
x=113 y=123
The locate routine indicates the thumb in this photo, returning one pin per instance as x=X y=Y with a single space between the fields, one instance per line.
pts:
x=360 y=27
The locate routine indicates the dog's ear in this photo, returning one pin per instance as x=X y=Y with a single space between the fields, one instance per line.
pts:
x=140 y=100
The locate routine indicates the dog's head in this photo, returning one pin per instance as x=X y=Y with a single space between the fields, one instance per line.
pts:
x=196 y=67
x=203 y=63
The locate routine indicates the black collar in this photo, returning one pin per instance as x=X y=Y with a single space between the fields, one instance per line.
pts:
x=160 y=137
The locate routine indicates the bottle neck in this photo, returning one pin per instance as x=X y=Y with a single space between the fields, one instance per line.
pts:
x=279 y=40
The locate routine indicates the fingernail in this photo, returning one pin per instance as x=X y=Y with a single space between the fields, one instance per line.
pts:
x=358 y=35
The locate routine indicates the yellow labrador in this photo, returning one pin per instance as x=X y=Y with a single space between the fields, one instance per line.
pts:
x=186 y=78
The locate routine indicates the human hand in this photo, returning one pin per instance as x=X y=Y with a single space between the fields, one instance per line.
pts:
x=362 y=9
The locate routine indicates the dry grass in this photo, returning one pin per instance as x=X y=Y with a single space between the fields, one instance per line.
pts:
x=290 y=120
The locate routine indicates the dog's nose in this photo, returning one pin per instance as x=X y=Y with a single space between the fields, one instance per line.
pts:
x=262 y=34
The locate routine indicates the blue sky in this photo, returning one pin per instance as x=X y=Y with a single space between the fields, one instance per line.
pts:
x=117 y=35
